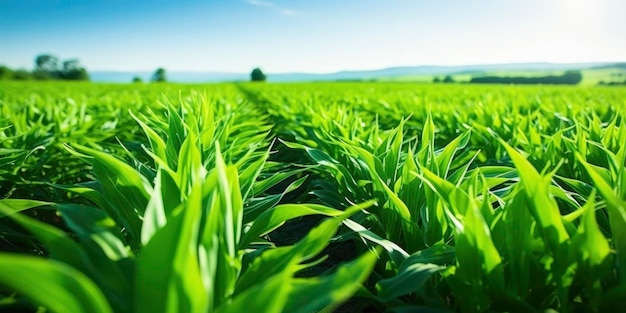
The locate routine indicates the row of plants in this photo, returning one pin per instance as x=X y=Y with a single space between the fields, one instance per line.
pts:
x=394 y=197
x=178 y=227
x=518 y=207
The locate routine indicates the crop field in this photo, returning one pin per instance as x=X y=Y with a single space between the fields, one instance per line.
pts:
x=312 y=197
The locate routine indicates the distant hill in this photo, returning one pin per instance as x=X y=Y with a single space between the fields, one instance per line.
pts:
x=621 y=65
x=198 y=77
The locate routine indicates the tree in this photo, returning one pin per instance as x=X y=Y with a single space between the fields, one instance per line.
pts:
x=137 y=79
x=571 y=77
x=448 y=79
x=159 y=75
x=257 y=75
x=22 y=74
x=5 y=72
x=46 y=67
x=73 y=71
x=436 y=80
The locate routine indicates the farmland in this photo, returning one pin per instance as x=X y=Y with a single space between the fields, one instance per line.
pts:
x=309 y=197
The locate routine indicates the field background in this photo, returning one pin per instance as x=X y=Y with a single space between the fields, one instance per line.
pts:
x=593 y=73
x=300 y=197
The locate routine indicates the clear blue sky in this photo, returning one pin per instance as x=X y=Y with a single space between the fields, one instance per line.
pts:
x=312 y=36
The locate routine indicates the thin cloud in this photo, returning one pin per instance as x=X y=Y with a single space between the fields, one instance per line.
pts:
x=260 y=3
x=273 y=6
x=289 y=12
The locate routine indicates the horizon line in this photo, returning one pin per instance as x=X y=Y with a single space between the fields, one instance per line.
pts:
x=360 y=70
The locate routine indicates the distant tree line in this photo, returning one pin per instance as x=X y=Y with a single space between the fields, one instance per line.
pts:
x=603 y=83
x=159 y=76
x=47 y=67
x=615 y=77
x=9 y=74
x=568 y=78
x=447 y=79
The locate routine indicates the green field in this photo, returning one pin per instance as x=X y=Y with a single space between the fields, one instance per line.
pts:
x=312 y=197
x=591 y=76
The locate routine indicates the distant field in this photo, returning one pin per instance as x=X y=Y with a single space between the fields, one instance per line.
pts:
x=304 y=197
x=590 y=76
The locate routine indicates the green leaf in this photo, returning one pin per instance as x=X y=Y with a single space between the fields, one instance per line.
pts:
x=518 y=225
x=190 y=168
x=10 y=206
x=544 y=208
x=395 y=252
x=271 y=296
x=157 y=144
x=444 y=159
x=328 y=292
x=94 y=224
x=616 y=209
x=415 y=271
x=52 y=284
x=124 y=188
x=409 y=280
x=167 y=266
x=593 y=254
x=271 y=262
x=165 y=199
x=275 y=217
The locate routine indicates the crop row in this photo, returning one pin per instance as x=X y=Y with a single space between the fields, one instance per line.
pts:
x=402 y=198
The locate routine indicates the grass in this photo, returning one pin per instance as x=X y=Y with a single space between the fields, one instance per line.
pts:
x=184 y=198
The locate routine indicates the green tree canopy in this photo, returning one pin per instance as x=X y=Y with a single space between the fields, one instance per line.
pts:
x=5 y=72
x=73 y=71
x=159 y=75
x=22 y=74
x=257 y=75
x=46 y=67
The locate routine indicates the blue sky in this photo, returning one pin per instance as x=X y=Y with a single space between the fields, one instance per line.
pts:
x=309 y=36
